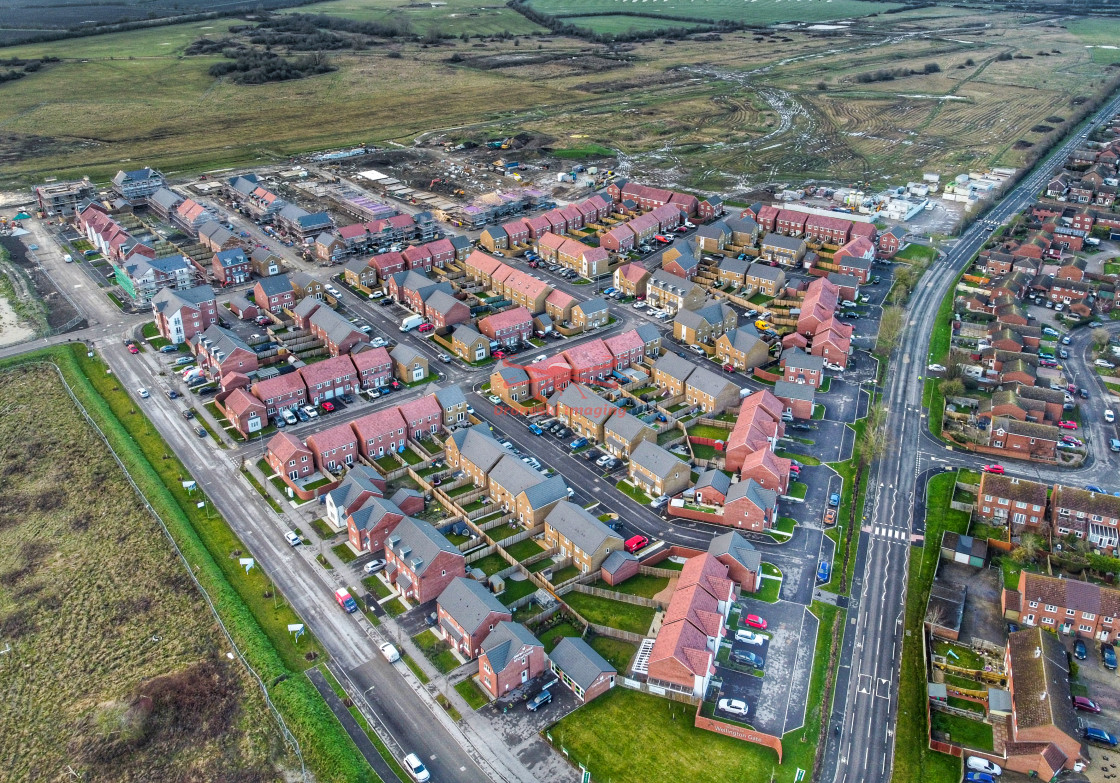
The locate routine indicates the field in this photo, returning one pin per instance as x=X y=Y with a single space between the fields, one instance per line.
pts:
x=754 y=12
x=116 y=667
x=453 y=17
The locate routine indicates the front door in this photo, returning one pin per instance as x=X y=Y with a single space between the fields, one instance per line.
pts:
x=524 y=675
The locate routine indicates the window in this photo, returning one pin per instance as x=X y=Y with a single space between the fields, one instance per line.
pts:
x=1034 y=604
x=1051 y=608
x=1047 y=620
x=1071 y=613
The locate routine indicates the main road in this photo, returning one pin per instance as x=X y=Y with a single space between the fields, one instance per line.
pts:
x=861 y=743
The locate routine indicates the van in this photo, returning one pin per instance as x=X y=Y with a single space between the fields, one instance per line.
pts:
x=761 y=325
x=411 y=322
x=289 y=417
x=635 y=543
x=345 y=600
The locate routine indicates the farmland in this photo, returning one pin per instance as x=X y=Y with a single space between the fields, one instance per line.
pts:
x=116 y=666
x=753 y=12
x=453 y=17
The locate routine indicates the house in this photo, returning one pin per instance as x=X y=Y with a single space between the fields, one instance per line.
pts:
x=245 y=412
x=827 y=229
x=855 y=258
x=591 y=314
x=287 y=456
x=709 y=391
x=797 y=397
x=627 y=348
x=466 y=613
x=360 y=484
x=423 y=417
x=547 y=377
x=742 y=349
x=631 y=279
x=590 y=361
x=301 y=224
x=1087 y=515
x=750 y=506
x=359 y=273
x=509 y=478
x=453 y=405
x=787 y=250
x=163 y=202
x=333 y=449
x=141 y=277
x=800 y=367
x=711 y=487
x=713 y=237
x=183 y=314
x=408 y=363
x=508 y=327
x=1066 y=606
x=577 y=534
x=680 y=261
x=474 y=451
x=527 y=291
x=744 y=231
x=509 y=657
x=791 y=222
x=704 y=324
x=469 y=345
x=281 y=391
x=306 y=286
x=623 y=434
x=581 y=670
x=759 y=426
x=657 y=470
x=767 y=470
x=370 y=523
x=220 y=352
x=190 y=215
x=732 y=272
x=671 y=371
x=683 y=654
x=420 y=562
x=1025 y=440
x=533 y=503
x=231 y=267
x=379 y=433
x=374 y=366
x=136 y=185
x=338 y=334
x=215 y=237
x=619 y=239
x=664 y=289
x=329 y=378
x=494 y=238
x=265 y=264
x=274 y=293
x=582 y=410
x=443 y=310
x=763 y=279
x=743 y=561
x=652 y=339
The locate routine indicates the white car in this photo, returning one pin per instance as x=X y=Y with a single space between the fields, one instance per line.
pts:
x=983 y=765
x=1109 y=416
x=689 y=225
x=143 y=393
x=659 y=501
x=289 y=417
x=292 y=537
x=390 y=652
x=373 y=566
x=696 y=349
x=733 y=706
x=540 y=358
x=1104 y=363
x=936 y=368
x=495 y=399
x=310 y=411
x=833 y=366
x=639 y=305
x=749 y=637
x=416 y=768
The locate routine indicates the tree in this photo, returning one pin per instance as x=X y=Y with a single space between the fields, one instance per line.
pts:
x=932 y=68
x=876 y=437
x=951 y=387
x=890 y=330
x=1100 y=338
x=1030 y=546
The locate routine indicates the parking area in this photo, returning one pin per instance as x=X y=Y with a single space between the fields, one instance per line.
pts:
x=828 y=440
x=797 y=559
x=775 y=701
x=1102 y=686
x=841 y=401
x=816 y=478
x=521 y=729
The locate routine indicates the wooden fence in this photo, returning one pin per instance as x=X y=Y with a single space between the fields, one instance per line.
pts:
x=625 y=598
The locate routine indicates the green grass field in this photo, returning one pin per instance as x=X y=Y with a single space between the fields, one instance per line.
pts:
x=450 y=17
x=757 y=12
x=1098 y=33
x=614 y=25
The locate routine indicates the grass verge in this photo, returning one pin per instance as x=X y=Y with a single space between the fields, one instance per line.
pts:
x=473 y=694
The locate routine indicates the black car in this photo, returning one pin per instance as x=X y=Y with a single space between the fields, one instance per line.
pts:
x=747 y=658
x=200 y=432
x=172 y=394
x=538 y=701
x=346 y=398
x=188 y=413
x=301 y=414
x=1079 y=650
x=386 y=302
x=1108 y=655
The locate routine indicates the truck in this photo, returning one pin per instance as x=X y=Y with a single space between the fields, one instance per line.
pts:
x=411 y=322
x=345 y=600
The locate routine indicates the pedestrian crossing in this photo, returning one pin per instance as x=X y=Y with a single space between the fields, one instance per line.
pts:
x=890 y=533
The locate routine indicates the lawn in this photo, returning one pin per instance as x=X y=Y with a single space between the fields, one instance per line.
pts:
x=523 y=550
x=564 y=574
x=916 y=254
x=553 y=635
x=344 y=553
x=708 y=431
x=617 y=652
x=491 y=564
x=604 y=611
x=798 y=490
x=502 y=532
x=769 y=590
x=437 y=651
x=640 y=584
x=376 y=586
x=474 y=695
x=515 y=590
x=970 y=733
x=140 y=628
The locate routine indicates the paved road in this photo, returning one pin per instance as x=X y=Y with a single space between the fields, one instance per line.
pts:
x=866 y=701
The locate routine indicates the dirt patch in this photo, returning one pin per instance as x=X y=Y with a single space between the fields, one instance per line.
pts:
x=667 y=592
x=59 y=311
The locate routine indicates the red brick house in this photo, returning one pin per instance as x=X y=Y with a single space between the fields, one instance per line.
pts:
x=379 y=433
x=743 y=561
x=509 y=657
x=1087 y=515
x=274 y=293
x=287 y=455
x=828 y=229
x=374 y=367
x=791 y=222
x=582 y=670
x=517 y=232
x=420 y=562
x=360 y=484
x=328 y=379
x=890 y=241
x=182 y=314
x=536 y=227
x=231 y=266
x=339 y=335
x=508 y=327
x=1025 y=440
x=423 y=417
x=668 y=216
x=370 y=524
x=220 y=352
x=557 y=221
x=619 y=239
x=466 y=613
x=443 y=310
x=626 y=348
x=800 y=367
x=1020 y=503
x=245 y=412
x=283 y=391
x=855 y=258
x=552 y=375
x=388 y=264
x=418 y=257
x=750 y=506
x=334 y=448
x=759 y=426
x=590 y=361
x=574 y=217
x=767 y=469
x=1065 y=606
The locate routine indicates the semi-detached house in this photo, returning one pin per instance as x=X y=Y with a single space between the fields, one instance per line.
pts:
x=330 y=378
x=467 y=613
x=420 y=561
x=333 y=448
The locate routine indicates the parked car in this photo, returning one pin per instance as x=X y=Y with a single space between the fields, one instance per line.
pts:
x=292 y=537
x=979 y=777
x=495 y=399
x=416 y=769
x=834 y=499
x=696 y=349
x=830 y=517
x=1108 y=655
x=389 y=651
x=659 y=502
x=1080 y=651
x=327 y=406
x=1085 y=704
x=996 y=469
x=373 y=566
x=1093 y=734
x=188 y=413
x=823 y=571
x=301 y=414
x=754 y=621
x=533 y=428
x=133 y=349
x=733 y=706
x=983 y=765
x=1104 y=363
x=538 y=701
x=603 y=460
x=578 y=443
x=1066 y=424
x=1109 y=416
x=749 y=637
x=200 y=432
x=746 y=657
x=936 y=367
x=424 y=328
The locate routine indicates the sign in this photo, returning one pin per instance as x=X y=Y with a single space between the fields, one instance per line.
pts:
x=248 y=562
x=297 y=629
x=189 y=486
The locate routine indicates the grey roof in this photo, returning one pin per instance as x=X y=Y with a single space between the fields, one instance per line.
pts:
x=736 y=266
x=586 y=402
x=550 y=490
x=450 y=396
x=135 y=174
x=626 y=427
x=215 y=231
x=686 y=259
x=169 y=264
x=441 y=302
x=302 y=279
x=411 y=280
x=578 y=526
x=659 y=278
x=477 y=444
x=648 y=333
x=372 y=512
x=186 y=297
x=739 y=548
x=459 y=242
x=292 y=212
x=429 y=292
x=241 y=302
x=314 y=221
x=228 y=258
x=505 y=641
x=675 y=366
x=326 y=238
x=855 y=262
x=497 y=232
x=716 y=479
x=469 y=603
x=782 y=241
x=513 y=375
x=307 y=306
x=842 y=280
x=246 y=183
x=743 y=340
x=785 y=390
x=580 y=662
x=754 y=492
x=709 y=382
x=165 y=198
x=765 y=272
x=274 y=285
x=467 y=334
x=513 y=475
x=656 y=459
x=359 y=479
x=405 y=354
x=712 y=230
x=616 y=560
x=418 y=544
x=403 y=494
x=711 y=313
x=336 y=327
x=741 y=225
x=596 y=305
x=222 y=341
x=798 y=359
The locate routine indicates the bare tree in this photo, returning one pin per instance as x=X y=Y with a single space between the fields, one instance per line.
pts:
x=876 y=437
x=951 y=387
x=1100 y=338
x=890 y=329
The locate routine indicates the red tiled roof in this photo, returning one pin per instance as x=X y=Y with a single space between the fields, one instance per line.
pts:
x=240 y=402
x=625 y=342
x=327 y=370
x=517 y=316
x=827 y=223
x=551 y=241
x=352 y=231
x=792 y=216
x=526 y=284
x=859 y=247
x=633 y=272
x=560 y=299
x=370 y=359
x=285 y=446
x=707 y=572
x=386 y=261
x=279 y=386
x=417 y=410
x=482 y=262
x=336 y=437
x=593 y=353
x=383 y=422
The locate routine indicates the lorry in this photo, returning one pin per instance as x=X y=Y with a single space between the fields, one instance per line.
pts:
x=345 y=600
x=411 y=322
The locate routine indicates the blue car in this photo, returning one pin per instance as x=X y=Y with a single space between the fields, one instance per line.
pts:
x=979 y=777
x=834 y=499
x=533 y=428
x=823 y=571
x=579 y=443
x=1095 y=488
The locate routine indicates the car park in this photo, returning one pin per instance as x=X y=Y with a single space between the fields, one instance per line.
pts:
x=293 y=538
x=733 y=706
x=416 y=769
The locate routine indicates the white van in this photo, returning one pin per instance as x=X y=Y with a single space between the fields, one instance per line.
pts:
x=289 y=417
x=411 y=322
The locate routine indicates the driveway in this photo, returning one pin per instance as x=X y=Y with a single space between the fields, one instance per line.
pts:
x=521 y=730
x=1103 y=687
x=816 y=479
x=797 y=559
x=841 y=401
x=828 y=440
x=414 y=620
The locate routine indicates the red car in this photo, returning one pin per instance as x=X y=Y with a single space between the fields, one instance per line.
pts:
x=327 y=406
x=729 y=368
x=1086 y=704
x=133 y=349
x=997 y=469
x=425 y=328
x=498 y=354
x=1068 y=425
x=754 y=621
x=830 y=517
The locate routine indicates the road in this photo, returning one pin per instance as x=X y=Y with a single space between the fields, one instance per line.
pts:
x=866 y=702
